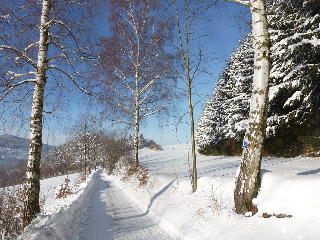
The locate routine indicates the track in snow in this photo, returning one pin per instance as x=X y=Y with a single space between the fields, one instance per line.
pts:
x=113 y=216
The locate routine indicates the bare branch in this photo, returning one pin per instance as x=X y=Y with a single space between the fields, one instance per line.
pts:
x=30 y=46
x=121 y=121
x=62 y=24
x=125 y=108
x=16 y=85
x=16 y=76
x=122 y=94
x=151 y=113
x=63 y=6
x=71 y=78
x=18 y=53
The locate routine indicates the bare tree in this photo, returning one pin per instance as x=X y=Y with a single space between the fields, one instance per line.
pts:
x=136 y=78
x=248 y=176
x=27 y=31
x=185 y=15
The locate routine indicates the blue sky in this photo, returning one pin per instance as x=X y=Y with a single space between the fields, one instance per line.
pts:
x=226 y=32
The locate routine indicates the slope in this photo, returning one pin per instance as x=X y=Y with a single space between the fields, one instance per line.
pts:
x=125 y=210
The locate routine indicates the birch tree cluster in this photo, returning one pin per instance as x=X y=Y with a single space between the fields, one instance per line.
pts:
x=293 y=109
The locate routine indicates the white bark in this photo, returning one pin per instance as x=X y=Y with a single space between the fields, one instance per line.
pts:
x=69 y=49
x=137 y=75
x=248 y=176
x=137 y=119
x=136 y=138
x=31 y=205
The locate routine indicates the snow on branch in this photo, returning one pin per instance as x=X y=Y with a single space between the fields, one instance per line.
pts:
x=125 y=108
x=148 y=85
x=16 y=76
x=10 y=88
x=71 y=78
x=30 y=46
x=20 y=54
x=245 y=3
x=155 y=111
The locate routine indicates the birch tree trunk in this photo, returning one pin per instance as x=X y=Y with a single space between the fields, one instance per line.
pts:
x=248 y=175
x=136 y=138
x=31 y=204
x=137 y=119
x=135 y=60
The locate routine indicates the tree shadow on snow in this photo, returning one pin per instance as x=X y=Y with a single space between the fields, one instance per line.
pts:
x=310 y=172
x=151 y=202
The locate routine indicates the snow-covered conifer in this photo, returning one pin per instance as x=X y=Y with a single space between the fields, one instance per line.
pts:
x=293 y=110
x=225 y=114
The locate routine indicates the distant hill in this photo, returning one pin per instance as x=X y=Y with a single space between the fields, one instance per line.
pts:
x=14 y=142
x=14 y=149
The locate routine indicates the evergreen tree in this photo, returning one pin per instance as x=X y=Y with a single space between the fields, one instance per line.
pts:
x=293 y=113
x=293 y=119
x=226 y=113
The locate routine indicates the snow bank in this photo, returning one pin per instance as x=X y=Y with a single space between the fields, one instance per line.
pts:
x=297 y=195
x=63 y=219
x=289 y=186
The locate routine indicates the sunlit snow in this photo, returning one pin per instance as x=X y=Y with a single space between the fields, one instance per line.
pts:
x=289 y=186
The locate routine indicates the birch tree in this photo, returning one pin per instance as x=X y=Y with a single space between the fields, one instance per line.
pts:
x=27 y=31
x=136 y=78
x=248 y=179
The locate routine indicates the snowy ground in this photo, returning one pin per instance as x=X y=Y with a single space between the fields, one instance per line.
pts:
x=165 y=208
x=112 y=215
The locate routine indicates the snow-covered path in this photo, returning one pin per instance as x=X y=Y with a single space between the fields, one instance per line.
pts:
x=113 y=216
